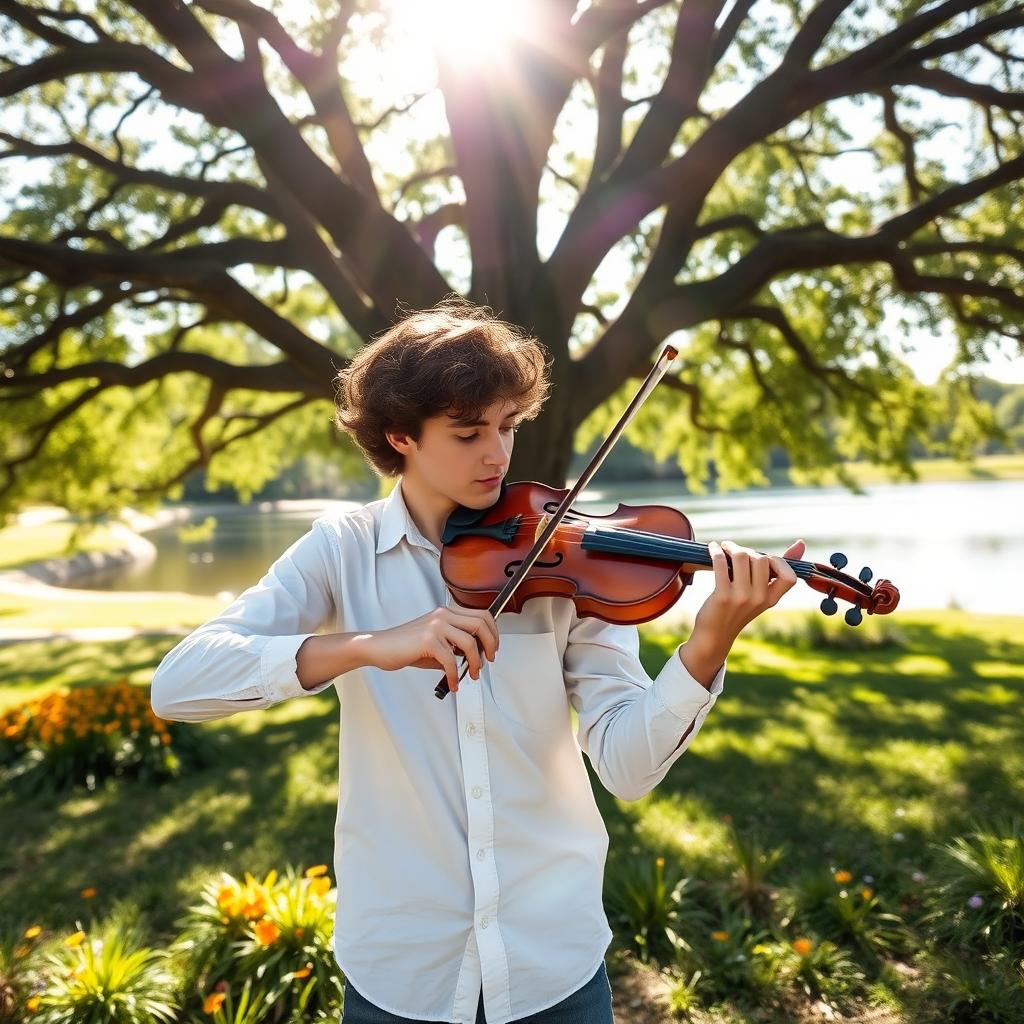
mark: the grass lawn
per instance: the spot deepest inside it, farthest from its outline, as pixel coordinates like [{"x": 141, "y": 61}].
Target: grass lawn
[
  {"x": 81, "y": 609},
  {"x": 852, "y": 759},
  {"x": 22, "y": 544}
]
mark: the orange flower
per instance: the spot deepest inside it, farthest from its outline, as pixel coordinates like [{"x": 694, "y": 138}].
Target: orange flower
[
  {"x": 842, "y": 876},
  {"x": 75, "y": 940},
  {"x": 31, "y": 933},
  {"x": 225, "y": 894},
  {"x": 211, "y": 1004},
  {"x": 303, "y": 972},
  {"x": 803, "y": 946},
  {"x": 321, "y": 886},
  {"x": 720, "y": 936},
  {"x": 88, "y": 892},
  {"x": 867, "y": 893},
  {"x": 266, "y": 932},
  {"x": 32, "y": 1004},
  {"x": 316, "y": 871},
  {"x": 22, "y": 951}
]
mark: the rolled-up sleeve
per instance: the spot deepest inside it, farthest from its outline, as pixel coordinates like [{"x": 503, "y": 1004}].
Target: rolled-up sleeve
[
  {"x": 633, "y": 728},
  {"x": 244, "y": 659}
]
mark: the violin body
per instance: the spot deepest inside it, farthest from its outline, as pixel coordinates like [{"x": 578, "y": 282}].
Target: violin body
[{"x": 487, "y": 547}]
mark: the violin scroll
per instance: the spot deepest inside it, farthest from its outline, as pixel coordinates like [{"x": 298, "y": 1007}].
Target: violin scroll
[{"x": 880, "y": 599}]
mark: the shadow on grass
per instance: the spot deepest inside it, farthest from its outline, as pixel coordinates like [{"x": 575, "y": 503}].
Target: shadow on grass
[
  {"x": 820, "y": 756},
  {"x": 271, "y": 796}
]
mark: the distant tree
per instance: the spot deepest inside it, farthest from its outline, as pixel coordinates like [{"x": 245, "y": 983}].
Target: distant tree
[{"x": 226, "y": 199}]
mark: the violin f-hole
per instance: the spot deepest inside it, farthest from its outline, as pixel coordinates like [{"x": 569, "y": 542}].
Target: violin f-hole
[{"x": 510, "y": 569}]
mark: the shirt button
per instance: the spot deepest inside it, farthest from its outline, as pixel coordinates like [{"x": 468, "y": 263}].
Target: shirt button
[
  {"x": 471, "y": 729},
  {"x": 477, "y": 791},
  {"x": 484, "y": 921},
  {"x": 480, "y": 854}
]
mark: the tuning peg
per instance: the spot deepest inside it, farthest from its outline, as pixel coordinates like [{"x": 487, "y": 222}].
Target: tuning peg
[
  {"x": 838, "y": 560},
  {"x": 853, "y": 616},
  {"x": 865, "y": 574},
  {"x": 828, "y": 606}
]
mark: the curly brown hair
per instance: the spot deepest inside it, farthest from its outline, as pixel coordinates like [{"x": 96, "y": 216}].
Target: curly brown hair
[{"x": 455, "y": 357}]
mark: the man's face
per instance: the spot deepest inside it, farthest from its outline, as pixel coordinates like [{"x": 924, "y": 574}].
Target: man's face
[{"x": 465, "y": 460}]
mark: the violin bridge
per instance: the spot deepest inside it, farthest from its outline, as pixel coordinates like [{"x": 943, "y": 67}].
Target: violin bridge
[{"x": 541, "y": 527}]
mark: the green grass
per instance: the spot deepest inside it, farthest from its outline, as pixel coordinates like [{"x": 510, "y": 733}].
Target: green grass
[
  {"x": 20, "y": 545},
  {"x": 829, "y": 752},
  {"x": 1008, "y": 466},
  {"x": 60, "y": 610}
]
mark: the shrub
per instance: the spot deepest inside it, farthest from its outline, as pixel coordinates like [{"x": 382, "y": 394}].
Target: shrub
[
  {"x": 106, "y": 978},
  {"x": 975, "y": 896},
  {"x": 828, "y": 904},
  {"x": 644, "y": 897},
  {"x": 276, "y": 932},
  {"x": 748, "y": 885},
  {"x": 79, "y": 736},
  {"x": 978, "y": 990},
  {"x": 18, "y": 956}
]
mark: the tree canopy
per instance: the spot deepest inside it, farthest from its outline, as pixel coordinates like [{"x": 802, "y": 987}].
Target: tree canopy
[{"x": 211, "y": 205}]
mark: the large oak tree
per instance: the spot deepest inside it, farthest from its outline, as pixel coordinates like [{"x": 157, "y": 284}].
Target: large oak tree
[{"x": 211, "y": 205}]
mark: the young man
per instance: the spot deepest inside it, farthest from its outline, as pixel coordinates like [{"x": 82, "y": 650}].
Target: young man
[{"x": 469, "y": 851}]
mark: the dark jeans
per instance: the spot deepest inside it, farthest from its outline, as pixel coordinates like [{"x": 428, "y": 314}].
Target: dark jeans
[{"x": 591, "y": 1004}]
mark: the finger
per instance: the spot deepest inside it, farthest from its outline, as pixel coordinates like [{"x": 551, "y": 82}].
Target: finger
[
  {"x": 784, "y": 580},
  {"x": 466, "y": 643},
  {"x": 480, "y": 622},
  {"x": 720, "y": 564},
  {"x": 760, "y": 569},
  {"x": 740, "y": 556},
  {"x": 446, "y": 658},
  {"x": 795, "y": 550}
]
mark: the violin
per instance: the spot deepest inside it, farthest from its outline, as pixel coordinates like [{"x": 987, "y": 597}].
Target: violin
[{"x": 627, "y": 566}]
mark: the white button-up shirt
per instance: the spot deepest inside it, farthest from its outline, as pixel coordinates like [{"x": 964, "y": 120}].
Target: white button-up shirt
[{"x": 469, "y": 851}]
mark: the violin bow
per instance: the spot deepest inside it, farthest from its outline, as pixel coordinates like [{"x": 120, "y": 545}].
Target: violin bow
[{"x": 505, "y": 594}]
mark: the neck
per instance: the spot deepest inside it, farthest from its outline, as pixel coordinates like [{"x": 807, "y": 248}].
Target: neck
[{"x": 428, "y": 509}]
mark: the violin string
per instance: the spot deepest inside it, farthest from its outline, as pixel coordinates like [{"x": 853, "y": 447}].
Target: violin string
[{"x": 696, "y": 547}]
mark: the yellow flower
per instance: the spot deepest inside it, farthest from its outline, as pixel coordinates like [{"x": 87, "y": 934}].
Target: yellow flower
[
  {"x": 266, "y": 932},
  {"x": 321, "y": 886},
  {"x": 211, "y": 1004},
  {"x": 867, "y": 893},
  {"x": 842, "y": 876},
  {"x": 31, "y": 933},
  {"x": 88, "y": 892},
  {"x": 32, "y": 1004},
  {"x": 660, "y": 862},
  {"x": 316, "y": 871},
  {"x": 75, "y": 940},
  {"x": 225, "y": 894},
  {"x": 720, "y": 936},
  {"x": 22, "y": 951},
  {"x": 803, "y": 946}
]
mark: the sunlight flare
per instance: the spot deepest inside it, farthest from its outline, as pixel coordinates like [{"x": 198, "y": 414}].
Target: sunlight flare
[{"x": 465, "y": 31}]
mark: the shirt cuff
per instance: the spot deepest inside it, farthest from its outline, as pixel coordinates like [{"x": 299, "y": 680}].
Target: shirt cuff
[
  {"x": 681, "y": 694},
  {"x": 278, "y": 669}
]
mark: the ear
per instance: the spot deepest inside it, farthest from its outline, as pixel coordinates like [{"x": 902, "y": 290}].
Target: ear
[{"x": 400, "y": 442}]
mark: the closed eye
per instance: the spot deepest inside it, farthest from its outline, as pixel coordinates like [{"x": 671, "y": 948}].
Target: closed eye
[{"x": 474, "y": 436}]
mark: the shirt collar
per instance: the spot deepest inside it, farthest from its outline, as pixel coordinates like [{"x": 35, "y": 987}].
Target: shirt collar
[{"x": 396, "y": 523}]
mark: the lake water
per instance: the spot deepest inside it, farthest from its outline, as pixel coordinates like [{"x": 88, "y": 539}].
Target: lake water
[{"x": 940, "y": 543}]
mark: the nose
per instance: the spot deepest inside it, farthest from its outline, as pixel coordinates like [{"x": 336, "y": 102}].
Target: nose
[{"x": 497, "y": 457}]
